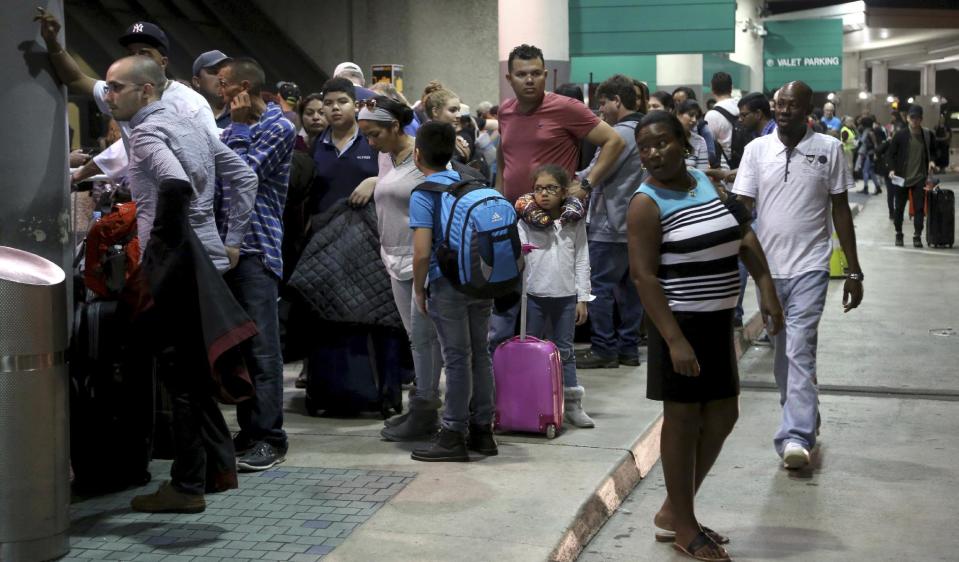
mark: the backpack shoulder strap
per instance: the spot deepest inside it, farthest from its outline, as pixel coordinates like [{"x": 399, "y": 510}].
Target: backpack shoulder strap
[
  {"x": 729, "y": 116},
  {"x": 433, "y": 187}
]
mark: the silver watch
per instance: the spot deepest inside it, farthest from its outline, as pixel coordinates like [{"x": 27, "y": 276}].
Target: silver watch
[{"x": 856, "y": 276}]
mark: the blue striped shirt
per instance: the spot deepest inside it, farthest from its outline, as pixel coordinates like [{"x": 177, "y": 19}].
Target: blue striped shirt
[{"x": 267, "y": 147}]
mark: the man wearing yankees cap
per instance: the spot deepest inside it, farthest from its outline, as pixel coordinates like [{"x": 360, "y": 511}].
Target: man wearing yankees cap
[{"x": 141, "y": 38}]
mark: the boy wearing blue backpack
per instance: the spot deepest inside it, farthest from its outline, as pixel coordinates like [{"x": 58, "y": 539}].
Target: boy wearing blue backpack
[{"x": 466, "y": 249}]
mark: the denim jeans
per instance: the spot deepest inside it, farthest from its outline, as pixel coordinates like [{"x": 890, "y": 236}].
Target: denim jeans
[
  {"x": 462, "y": 324},
  {"x": 743, "y": 279},
  {"x": 502, "y": 326},
  {"x": 918, "y": 206},
  {"x": 558, "y": 313},
  {"x": 612, "y": 286},
  {"x": 427, "y": 356},
  {"x": 256, "y": 289},
  {"x": 803, "y": 298},
  {"x": 868, "y": 171}
]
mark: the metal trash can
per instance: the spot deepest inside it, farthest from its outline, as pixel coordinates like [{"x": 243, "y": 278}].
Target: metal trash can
[{"x": 34, "y": 442}]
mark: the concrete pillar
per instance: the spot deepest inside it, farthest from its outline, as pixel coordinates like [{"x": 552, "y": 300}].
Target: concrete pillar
[
  {"x": 853, "y": 72},
  {"x": 927, "y": 80},
  {"x": 749, "y": 46},
  {"x": 35, "y": 215},
  {"x": 880, "y": 77},
  {"x": 679, "y": 70},
  {"x": 542, "y": 23}
]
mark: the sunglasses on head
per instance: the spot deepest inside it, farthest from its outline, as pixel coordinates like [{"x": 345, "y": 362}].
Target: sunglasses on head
[{"x": 368, "y": 104}]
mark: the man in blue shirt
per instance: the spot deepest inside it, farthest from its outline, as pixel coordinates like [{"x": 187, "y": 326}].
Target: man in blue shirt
[
  {"x": 462, "y": 322},
  {"x": 342, "y": 155},
  {"x": 263, "y": 138},
  {"x": 829, "y": 118}
]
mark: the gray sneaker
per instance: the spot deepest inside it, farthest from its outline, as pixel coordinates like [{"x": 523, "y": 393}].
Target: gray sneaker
[{"x": 261, "y": 457}]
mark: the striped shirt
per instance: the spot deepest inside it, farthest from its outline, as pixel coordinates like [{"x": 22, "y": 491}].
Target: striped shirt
[
  {"x": 698, "y": 267},
  {"x": 267, "y": 147},
  {"x": 699, "y": 157}
]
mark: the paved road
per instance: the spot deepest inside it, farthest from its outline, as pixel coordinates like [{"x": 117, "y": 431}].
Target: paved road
[{"x": 885, "y": 482}]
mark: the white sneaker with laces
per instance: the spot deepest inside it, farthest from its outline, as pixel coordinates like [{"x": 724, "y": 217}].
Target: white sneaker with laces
[{"x": 795, "y": 456}]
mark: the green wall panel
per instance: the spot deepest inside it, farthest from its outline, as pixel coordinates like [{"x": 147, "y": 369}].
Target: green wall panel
[
  {"x": 807, "y": 50},
  {"x": 622, "y": 27},
  {"x": 641, "y": 67},
  {"x": 713, "y": 63}
]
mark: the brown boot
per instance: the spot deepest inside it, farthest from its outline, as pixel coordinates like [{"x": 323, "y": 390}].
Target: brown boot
[{"x": 168, "y": 499}]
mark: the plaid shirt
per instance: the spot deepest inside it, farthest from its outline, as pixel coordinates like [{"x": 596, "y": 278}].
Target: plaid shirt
[{"x": 267, "y": 147}]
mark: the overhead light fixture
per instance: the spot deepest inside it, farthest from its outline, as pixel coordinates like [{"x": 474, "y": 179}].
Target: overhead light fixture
[
  {"x": 942, "y": 100},
  {"x": 935, "y": 99},
  {"x": 911, "y": 100},
  {"x": 863, "y": 95},
  {"x": 831, "y": 96},
  {"x": 884, "y": 33},
  {"x": 890, "y": 99}
]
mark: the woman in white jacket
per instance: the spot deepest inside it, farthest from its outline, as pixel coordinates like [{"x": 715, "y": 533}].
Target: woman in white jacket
[{"x": 558, "y": 270}]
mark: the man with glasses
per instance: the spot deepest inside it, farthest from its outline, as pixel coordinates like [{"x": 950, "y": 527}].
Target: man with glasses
[
  {"x": 166, "y": 145},
  {"x": 263, "y": 138},
  {"x": 798, "y": 180},
  {"x": 755, "y": 115},
  {"x": 143, "y": 39}
]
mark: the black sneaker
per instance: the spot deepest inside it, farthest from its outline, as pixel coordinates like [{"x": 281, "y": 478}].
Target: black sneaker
[
  {"x": 899, "y": 239},
  {"x": 592, "y": 361},
  {"x": 917, "y": 241},
  {"x": 242, "y": 444},
  {"x": 447, "y": 446},
  {"x": 262, "y": 457},
  {"x": 481, "y": 440},
  {"x": 629, "y": 360}
]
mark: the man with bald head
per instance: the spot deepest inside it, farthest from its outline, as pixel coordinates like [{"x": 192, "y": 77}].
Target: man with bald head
[
  {"x": 798, "y": 180},
  {"x": 167, "y": 145}
]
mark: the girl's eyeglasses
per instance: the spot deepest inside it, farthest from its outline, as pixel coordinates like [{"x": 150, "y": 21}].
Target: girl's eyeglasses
[{"x": 547, "y": 189}]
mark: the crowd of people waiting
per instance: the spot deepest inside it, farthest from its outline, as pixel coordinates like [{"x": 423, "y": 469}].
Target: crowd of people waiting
[{"x": 655, "y": 207}]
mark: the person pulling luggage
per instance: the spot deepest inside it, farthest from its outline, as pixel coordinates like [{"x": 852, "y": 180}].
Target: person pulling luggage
[{"x": 559, "y": 282}]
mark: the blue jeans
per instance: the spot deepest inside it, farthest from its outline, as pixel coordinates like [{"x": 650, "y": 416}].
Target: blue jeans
[
  {"x": 502, "y": 326},
  {"x": 803, "y": 299},
  {"x": 867, "y": 173},
  {"x": 559, "y": 313},
  {"x": 609, "y": 262},
  {"x": 427, "y": 356},
  {"x": 462, "y": 324},
  {"x": 256, "y": 289}
]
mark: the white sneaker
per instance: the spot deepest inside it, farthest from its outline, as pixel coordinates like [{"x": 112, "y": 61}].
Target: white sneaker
[{"x": 795, "y": 456}]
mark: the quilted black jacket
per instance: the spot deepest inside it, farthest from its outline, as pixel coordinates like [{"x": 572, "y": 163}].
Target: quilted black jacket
[{"x": 341, "y": 274}]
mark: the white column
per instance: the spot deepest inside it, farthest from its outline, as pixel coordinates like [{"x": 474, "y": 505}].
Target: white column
[
  {"x": 927, "y": 80},
  {"x": 749, "y": 46},
  {"x": 679, "y": 70},
  {"x": 880, "y": 77},
  {"x": 853, "y": 72},
  {"x": 542, "y": 23}
]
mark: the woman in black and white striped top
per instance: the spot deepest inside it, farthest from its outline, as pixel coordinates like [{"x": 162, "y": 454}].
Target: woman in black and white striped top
[{"x": 683, "y": 245}]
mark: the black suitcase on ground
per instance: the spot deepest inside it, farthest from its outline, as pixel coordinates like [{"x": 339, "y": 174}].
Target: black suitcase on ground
[
  {"x": 112, "y": 401},
  {"x": 356, "y": 369},
  {"x": 940, "y": 218}
]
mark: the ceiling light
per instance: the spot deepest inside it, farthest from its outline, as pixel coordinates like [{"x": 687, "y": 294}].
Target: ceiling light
[
  {"x": 935, "y": 99},
  {"x": 890, "y": 99},
  {"x": 884, "y": 34},
  {"x": 863, "y": 95},
  {"x": 911, "y": 100},
  {"x": 831, "y": 96}
]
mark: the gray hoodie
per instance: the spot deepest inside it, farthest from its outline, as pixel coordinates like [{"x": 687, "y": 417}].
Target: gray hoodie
[{"x": 606, "y": 221}]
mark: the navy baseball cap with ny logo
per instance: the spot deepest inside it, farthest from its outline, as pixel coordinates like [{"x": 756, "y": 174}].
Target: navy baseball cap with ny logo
[{"x": 146, "y": 32}]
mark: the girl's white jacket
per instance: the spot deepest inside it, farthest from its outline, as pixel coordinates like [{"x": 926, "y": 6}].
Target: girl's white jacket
[{"x": 560, "y": 267}]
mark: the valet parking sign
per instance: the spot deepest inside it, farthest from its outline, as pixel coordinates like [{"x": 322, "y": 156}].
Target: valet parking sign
[{"x": 807, "y": 50}]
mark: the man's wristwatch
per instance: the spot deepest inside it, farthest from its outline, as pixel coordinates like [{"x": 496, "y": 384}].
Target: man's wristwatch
[
  {"x": 856, "y": 276},
  {"x": 584, "y": 183}
]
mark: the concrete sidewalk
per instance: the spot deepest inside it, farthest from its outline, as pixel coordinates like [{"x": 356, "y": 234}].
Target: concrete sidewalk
[{"x": 883, "y": 485}]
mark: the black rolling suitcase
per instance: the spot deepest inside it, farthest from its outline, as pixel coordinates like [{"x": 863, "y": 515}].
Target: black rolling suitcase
[
  {"x": 112, "y": 401},
  {"x": 356, "y": 369},
  {"x": 940, "y": 217}
]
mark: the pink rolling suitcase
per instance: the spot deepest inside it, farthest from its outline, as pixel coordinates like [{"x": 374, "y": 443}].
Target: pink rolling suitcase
[{"x": 529, "y": 383}]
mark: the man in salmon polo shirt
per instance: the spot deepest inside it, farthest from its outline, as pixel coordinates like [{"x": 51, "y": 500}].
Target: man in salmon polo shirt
[{"x": 540, "y": 127}]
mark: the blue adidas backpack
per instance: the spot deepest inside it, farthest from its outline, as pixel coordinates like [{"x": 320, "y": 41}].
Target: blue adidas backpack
[{"x": 480, "y": 252}]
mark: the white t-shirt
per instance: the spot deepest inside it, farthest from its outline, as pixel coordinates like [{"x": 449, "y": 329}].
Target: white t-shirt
[
  {"x": 114, "y": 160},
  {"x": 719, "y": 126},
  {"x": 794, "y": 212}
]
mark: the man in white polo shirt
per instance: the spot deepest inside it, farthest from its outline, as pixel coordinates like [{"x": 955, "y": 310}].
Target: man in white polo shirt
[{"x": 797, "y": 179}]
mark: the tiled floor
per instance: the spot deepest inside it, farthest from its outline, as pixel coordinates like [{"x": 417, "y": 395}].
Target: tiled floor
[{"x": 288, "y": 513}]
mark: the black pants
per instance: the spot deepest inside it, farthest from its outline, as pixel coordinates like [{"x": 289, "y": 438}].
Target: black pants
[
  {"x": 918, "y": 206},
  {"x": 204, "y": 460}
]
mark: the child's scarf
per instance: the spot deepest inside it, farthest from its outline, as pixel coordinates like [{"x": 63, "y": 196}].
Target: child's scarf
[{"x": 530, "y": 212}]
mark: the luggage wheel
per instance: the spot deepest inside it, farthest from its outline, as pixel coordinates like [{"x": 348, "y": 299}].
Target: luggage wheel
[{"x": 551, "y": 431}]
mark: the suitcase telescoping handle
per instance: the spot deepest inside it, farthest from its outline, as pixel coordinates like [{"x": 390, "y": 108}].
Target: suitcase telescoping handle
[{"x": 527, "y": 248}]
